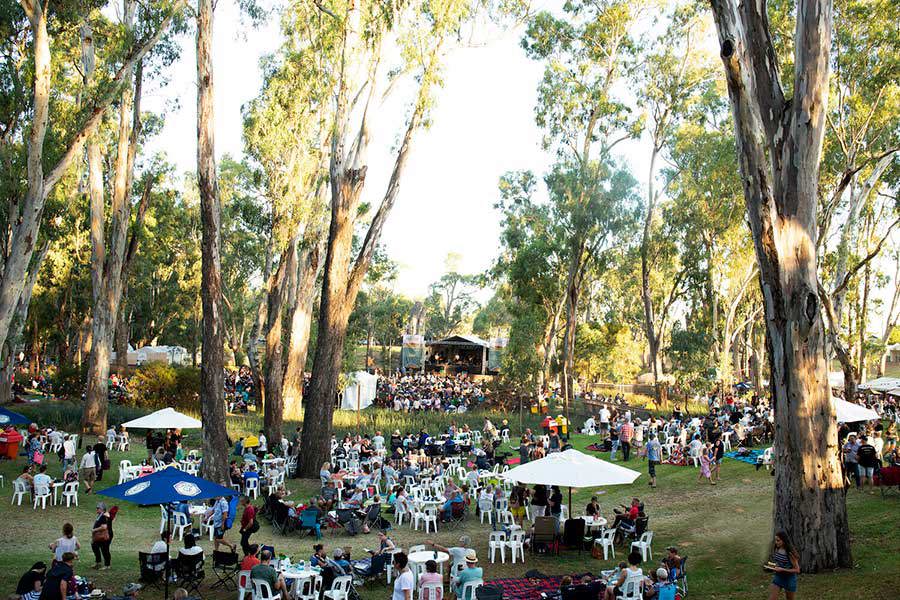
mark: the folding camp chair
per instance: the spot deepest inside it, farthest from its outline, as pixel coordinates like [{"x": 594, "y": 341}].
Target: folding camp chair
[
  {"x": 545, "y": 534},
  {"x": 573, "y": 534},
  {"x": 153, "y": 568},
  {"x": 457, "y": 514},
  {"x": 226, "y": 567},
  {"x": 309, "y": 522},
  {"x": 189, "y": 571}
]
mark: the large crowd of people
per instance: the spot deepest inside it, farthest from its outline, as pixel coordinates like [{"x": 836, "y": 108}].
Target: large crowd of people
[{"x": 429, "y": 391}]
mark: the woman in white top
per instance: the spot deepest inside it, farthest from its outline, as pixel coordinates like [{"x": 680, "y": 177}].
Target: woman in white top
[
  {"x": 403, "y": 585},
  {"x": 67, "y": 543}
]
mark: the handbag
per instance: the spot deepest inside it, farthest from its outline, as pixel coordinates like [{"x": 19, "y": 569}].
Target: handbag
[
  {"x": 106, "y": 464},
  {"x": 38, "y": 458},
  {"x": 99, "y": 537}
]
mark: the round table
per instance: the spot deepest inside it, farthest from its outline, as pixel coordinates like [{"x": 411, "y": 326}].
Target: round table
[
  {"x": 594, "y": 523},
  {"x": 422, "y": 557},
  {"x": 293, "y": 577}
]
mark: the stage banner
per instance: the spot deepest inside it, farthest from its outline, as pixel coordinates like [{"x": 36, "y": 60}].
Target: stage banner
[
  {"x": 412, "y": 355},
  {"x": 495, "y": 353}
]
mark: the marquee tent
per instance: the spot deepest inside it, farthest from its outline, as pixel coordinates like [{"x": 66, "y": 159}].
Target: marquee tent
[
  {"x": 360, "y": 392},
  {"x": 167, "y": 418},
  {"x": 850, "y": 412}
]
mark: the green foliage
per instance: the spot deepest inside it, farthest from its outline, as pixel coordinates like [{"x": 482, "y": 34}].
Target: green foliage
[
  {"x": 158, "y": 385},
  {"x": 689, "y": 351},
  {"x": 607, "y": 351},
  {"x": 69, "y": 381}
]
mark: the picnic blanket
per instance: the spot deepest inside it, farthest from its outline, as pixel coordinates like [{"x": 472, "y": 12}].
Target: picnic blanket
[
  {"x": 531, "y": 588},
  {"x": 596, "y": 448},
  {"x": 750, "y": 458}
]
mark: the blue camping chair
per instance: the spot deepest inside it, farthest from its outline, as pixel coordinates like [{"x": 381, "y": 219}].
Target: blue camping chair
[{"x": 309, "y": 521}]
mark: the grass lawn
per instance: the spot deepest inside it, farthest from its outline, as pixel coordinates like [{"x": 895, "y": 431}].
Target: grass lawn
[{"x": 724, "y": 530}]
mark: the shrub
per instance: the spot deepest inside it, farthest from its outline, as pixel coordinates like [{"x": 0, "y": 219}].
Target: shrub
[
  {"x": 69, "y": 381},
  {"x": 158, "y": 385}
]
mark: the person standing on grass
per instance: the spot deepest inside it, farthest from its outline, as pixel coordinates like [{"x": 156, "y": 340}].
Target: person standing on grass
[
  {"x": 654, "y": 457},
  {"x": 786, "y": 561},
  {"x": 89, "y": 469},
  {"x": 404, "y": 584},
  {"x": 101, "y": 538},
  {"x": 220, "y": 520},
  {"x": 704, "y": 464},
  {"x": 867, "y": 458},
  {"x": 718, "y": 454},
  {"x": 249, "y": 524},
  {"x": 626, "y": 433}
]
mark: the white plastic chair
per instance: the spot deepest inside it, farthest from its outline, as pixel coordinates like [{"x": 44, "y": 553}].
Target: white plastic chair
[
  {"x": 516, "y": 544},
  {"x": 726, "y": 441},
  {"x": 251, "y": 487},
  {"x": 606, "y": 541},
  {"x": 309, "y": 588},
  {"x": 70, "y": 493},
  {"x": 124, "y": 471},
  {"x": 467, "y": 592},
  {"x": 110, "y": 440},
  {"x": 486, "y": 507},
  {"x": 340, "y": 588},
  {"x": 643, "y": 545},
  {"x": 42, "y": 494},
  {"x": 564, "y": 512},
  {"x": 244, "y": 585},
  {"x": 431, "y": 518},
  {"x": 262, "y": 590},
  {"x": 497, "y": 541},
  {"x": 431, "y": 591},
  {"x": 632, "y": 587},
  {"x": 400, "y": 511},
  {"x": 694, "y": 456},
  {"x": 20, "y": 488}
]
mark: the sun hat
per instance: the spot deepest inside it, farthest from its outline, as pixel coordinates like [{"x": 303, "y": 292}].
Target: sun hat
[{"x": 471, "y": 556}]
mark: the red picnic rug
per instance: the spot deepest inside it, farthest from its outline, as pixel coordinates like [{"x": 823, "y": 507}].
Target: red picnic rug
[{"x": 531, "y": 588}]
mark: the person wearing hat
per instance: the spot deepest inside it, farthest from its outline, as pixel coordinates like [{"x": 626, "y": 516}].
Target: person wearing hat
[{"x": 472, "y": 572}]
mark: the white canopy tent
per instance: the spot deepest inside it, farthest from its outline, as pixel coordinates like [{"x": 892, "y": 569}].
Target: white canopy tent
[
  {"x": 360, "y": 391},
  {"x": 882, "y": 384},
  {"x": 572, "y": 469},
  {"x": 167, "y": 418},
  {"x": 849, "y": 412}
]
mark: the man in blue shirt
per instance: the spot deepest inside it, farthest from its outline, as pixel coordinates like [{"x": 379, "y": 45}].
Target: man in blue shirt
[
  {"x": 472, "y": 572},
  {"x": 654, "y": 457},
  {"x": 220, "y": 518}
]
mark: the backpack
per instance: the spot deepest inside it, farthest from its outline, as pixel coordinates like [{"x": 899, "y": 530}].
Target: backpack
[{"x": 489, "y": 591}]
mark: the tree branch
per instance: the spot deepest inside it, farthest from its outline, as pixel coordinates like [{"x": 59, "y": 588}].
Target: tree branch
[{"x": 851, "y": 272}]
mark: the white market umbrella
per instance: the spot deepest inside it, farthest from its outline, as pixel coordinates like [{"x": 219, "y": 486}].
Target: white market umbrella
[
  {"x": 572, "y": 469},
  {"x": 167, "y": 418},
  {"x": 850, "y": 412},
  {"x": 882, "y": 384}
]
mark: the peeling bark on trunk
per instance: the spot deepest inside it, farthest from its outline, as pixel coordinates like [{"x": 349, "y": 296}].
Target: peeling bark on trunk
[
  {"x": 342, "y": 278},
  {"x": 15, "y": 343},
  {"x": 40, "y": 184},
  {"x": 107, "y": 263},
  {"x": 212, "y": 375},
  {"x": 301, "y": 323},
  {"x": 779, "y": 144}
]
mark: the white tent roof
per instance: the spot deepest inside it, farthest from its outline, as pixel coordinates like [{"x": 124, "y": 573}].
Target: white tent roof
[
  {"x": 167, "y": 418},
  {"x": 894, "y": 392},
  {"x": 572, "y": 468},
  {"x": 362, "y": 389},
  {"x": 882, "y": 384},
  {"x": 850, "y": 412}
]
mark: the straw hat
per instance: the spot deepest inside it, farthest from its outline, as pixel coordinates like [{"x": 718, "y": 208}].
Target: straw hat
[{"x": 471, "y": 556}]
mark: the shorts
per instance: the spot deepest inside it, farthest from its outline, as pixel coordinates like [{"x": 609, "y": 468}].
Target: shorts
[
  {"x": 786, "y": 581},
  {"x": 218, "y": 533},
  {"x": 88, "y": 475},
  {"x": 518, "y": 511},
  {"x": 866, "y": 471},
  {"x": 651, "y": 467}
]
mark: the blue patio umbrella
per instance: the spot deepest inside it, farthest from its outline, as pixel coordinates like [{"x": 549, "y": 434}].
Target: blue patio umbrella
[
  {"x": 8, "y": 417},
  {"x": 167, "y": 486}
]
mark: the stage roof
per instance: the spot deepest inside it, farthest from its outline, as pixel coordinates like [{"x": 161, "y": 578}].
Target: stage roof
[{"x": 459, "y": 340}]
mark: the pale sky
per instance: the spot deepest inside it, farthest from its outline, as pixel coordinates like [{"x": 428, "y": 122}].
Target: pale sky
[{"x": 483, "y": 126}]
